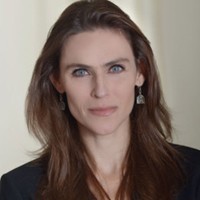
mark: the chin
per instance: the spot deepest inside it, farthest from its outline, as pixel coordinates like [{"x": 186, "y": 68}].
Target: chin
[{"x": 104, "y": 130}]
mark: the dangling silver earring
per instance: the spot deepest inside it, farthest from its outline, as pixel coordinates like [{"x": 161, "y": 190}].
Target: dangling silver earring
[
  {"x": 140, "y": 98},
  {"x": 61, "y": 103}
]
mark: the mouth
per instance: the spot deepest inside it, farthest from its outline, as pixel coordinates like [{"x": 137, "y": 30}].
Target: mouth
[{"x": 103, "y": 111}]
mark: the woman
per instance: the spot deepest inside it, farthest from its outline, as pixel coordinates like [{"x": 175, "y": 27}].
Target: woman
[{"x": 95, "y": 104}]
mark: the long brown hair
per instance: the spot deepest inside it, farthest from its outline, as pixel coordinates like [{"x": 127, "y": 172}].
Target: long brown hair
[{"x": 152, "y": 169}]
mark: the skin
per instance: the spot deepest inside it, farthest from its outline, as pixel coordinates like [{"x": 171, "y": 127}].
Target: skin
[{"x": 99, "y": 75}]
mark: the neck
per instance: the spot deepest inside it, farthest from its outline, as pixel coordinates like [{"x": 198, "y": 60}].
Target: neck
[{"x": 108, "y": 152}]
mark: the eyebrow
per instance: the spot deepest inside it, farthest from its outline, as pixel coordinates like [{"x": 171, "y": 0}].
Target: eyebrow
[
  {"x": 119, "y": 60},
  {"x": 110, "y": 63}
]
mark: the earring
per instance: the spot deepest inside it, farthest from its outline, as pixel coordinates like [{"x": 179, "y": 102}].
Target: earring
[
  {"x": 61, "y": 103},
  {"x": 140, "y": 98}
]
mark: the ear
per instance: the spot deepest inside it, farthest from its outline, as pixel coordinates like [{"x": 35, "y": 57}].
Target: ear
[
  {"x": 141, "y": 72},
  {"x": 57, "y": 83},
  {"x": 139, "y": 79}
]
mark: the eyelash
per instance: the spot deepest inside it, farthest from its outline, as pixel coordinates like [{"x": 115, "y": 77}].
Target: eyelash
[
  {"x": 81, "y": 72},
  {"x": 119, "y": 67}
]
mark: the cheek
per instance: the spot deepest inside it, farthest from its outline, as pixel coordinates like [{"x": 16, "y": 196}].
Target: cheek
[
  {"x": 76, "y": 100},
  {"x": 74, "y": 106},
  {"x": 130, "y": 96},
  {"x": 73, "y": 98},
  {"x": 127, "y": 94},
  {"x": 129, "y": 103},
  {"x": 127, "y": 87}
]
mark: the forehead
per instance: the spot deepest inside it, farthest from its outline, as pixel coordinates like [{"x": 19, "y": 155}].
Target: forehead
[{"x": 96, "y": 45}]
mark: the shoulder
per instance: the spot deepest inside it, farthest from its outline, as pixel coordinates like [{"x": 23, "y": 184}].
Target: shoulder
[
  {"x": 188, "y": 152},
  {"x": 190, "y": 158},
  {"x": 21, "y": 183},
  {"x": 191, "y": 165}
]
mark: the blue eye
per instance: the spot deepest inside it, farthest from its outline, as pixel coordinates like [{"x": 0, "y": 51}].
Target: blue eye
[
  {"x": 116, "y": 69},
  {"x": 80, "y": 72}
]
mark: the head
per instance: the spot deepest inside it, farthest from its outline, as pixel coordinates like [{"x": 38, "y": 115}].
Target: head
[
  {"x": 57, "y": 129},
  {"x": 80, "y": 17}
]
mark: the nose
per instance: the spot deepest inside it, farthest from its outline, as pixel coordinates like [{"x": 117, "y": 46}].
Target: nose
[{"x": 100, "y": 87}]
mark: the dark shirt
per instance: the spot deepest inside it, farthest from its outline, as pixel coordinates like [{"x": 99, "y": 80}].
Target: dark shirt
[{"x": 22, "y": 182}]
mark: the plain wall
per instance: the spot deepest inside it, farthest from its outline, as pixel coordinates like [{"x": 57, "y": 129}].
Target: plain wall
[
  {"x": 180, "y": 30},
  {"x": 172, "y": 27}
]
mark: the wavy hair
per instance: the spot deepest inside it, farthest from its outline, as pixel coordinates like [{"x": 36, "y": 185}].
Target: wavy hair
[{"x": 152, "y": 169}]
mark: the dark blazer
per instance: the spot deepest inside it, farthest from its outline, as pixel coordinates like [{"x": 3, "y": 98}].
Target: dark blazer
[{"x": 22, "y": 182}]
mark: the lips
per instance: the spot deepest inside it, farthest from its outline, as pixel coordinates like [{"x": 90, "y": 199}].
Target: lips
[{"x": 103, "y": 111}]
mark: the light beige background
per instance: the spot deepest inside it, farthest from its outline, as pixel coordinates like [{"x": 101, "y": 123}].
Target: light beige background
[{"x": 172, "y": 27}]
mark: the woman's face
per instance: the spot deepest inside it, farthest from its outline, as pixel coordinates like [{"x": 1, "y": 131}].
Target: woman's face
[{"x": 98, "y": 74}]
